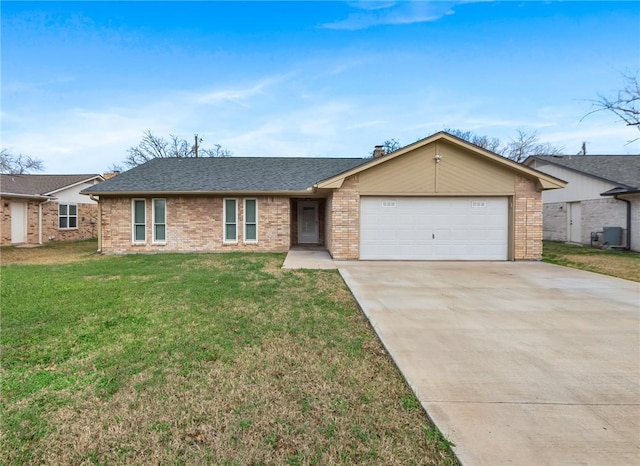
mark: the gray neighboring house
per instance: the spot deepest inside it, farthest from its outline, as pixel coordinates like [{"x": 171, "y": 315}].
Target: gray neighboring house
[{"x": 602, "y": 199}]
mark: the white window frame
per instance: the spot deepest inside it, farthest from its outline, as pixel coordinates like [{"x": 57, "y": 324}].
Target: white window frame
[
  {"x": 245, "y": 223},
  {"x": 225, "y": 223},
  {"x": 133, "y": 221},
  {"x": 67, "y": 216},
  {"x": 153, "y": 218}
]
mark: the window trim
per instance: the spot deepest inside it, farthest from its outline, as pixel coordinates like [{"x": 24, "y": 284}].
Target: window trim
[
  {"x": 225, "y": 223},
  {"x": 68, "y": 216},
  {"x": 133, "y": 221},
  {"x": 245, "y": 222},
  {"x": 153, "y": 219}
]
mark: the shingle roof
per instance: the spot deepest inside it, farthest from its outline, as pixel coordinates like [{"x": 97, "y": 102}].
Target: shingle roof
[
  {"x": 37, "y": 185},
  {"x": 622, "y": 170},
  {"x": 230, "y": 174}
]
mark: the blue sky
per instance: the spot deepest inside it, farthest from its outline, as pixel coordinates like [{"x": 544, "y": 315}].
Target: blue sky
[{"x": 82, "y": 81}]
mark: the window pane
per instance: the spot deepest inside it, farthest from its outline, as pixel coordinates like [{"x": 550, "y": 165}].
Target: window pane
[
  {"x": 63, "y": 222},
  {"x": 73, "y": 222},
  {"x": 63, "y": 209},
  {"x": 139, "y": 212},
  {"x": 250, "y": 214},
  {"x": 251, "y": 232},
  {"x": 159, "y": 205},
  {"x": 231, "y": 232},
  {"x": 139, "y": 232},
  {"x": 73, "y": 209},
  {"x": 160, "y": 232},
  {"x": 230, "y": 211}
]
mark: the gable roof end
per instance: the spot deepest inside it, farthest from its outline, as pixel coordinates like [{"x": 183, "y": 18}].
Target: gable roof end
[
  {"x": 620, "y": 170},
  {"x": 546, "y": 181}
]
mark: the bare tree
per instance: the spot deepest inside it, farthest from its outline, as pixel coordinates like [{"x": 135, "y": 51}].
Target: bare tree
[
  {"x": 517, "y": 149},
  {"x": 19, "y": 164},
  {"x": 526, "y": 144},
  {"x": 153, "y": 147},
  {"x": 486, "y": 142},
  {"x": 626, "y": 103}
]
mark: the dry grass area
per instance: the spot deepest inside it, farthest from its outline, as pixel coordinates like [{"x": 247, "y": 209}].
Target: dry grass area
[
  {"x": 621, "y": 264},
  {"x": 198, "y": 359},
  {"x": 63, "y": 252}
]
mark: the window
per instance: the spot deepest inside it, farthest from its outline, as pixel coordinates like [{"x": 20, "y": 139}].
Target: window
[
  {"x": 139, "y": 221},
  {"x": 250, "y": 221},
  {"x": 67, "y": 216},
  {"x": 230, "y": 220},
  {"x": 159, "y": 220}
]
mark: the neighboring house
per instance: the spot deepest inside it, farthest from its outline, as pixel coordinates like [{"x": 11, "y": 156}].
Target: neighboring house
[
  {"x": 602, "y": 196},
  {"x": 41, "y": 208},
  {"x": 440, "y": 198}
]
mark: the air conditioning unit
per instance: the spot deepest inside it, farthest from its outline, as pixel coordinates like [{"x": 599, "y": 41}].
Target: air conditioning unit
[{"x": 612, "y": 236}]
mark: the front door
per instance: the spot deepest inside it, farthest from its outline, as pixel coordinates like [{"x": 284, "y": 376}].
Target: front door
[
  {"x": 308, "y": 222},
  {"x": 18, "y": 222},
  {"x": 575, "y": 222}
]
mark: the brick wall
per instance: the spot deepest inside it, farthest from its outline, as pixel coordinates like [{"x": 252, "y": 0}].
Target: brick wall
[
  {"x": 50, "y": 231},
  {"x": 554, "y": 221},
  {"x": 599, "y": 213},
  {"x": 345, "y": 221},
  {"x": 5, "y": 222},
  {"x": 196, "y": 224},
  {"x": 527, "y": 232},
  {"x": 86, "y": 228}
]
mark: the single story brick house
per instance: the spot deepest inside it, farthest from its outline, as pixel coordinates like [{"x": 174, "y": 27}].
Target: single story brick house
[
  {"x": 440, "y": 198},
  {"x": 41, "y": 208},
  {"x": 602, "y": 196}
]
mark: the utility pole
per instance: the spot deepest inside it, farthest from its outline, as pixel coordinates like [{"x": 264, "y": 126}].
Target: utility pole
[
  {"x": 583, "y": 149},
  {"x": 195, "y": 147}
]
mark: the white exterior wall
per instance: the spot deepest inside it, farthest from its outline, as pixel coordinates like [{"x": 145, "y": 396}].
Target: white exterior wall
[
  {"x": 579, "y": 187},
  {"x": 597, "y": 211},
  {"x": 72, "y": 194}
]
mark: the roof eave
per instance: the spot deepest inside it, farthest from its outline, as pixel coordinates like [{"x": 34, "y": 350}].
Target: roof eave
[
  {"x": 580, "y": 172},
  {"x": 305, "y": 192},
  {"x": 620, "y": 190},
  {"x": 39, "y": 197}
]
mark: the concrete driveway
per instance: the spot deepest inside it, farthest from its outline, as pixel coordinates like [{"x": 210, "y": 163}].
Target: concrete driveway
[{"x": 517, "y": 363}]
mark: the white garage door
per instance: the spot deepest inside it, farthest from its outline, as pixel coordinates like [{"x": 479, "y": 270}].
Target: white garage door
[{"x": 418, "y": 228}]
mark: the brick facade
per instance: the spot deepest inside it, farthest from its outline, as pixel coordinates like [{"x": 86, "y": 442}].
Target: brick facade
[
  {"x": 555, "y": 221},
  {"x": 195, "y": 224},
  {"x": 344, "y": 221},
  {"x": 87, "y": 222},
  {"x": 527, "y": 228},
  {"x": 595, "y": 214}
]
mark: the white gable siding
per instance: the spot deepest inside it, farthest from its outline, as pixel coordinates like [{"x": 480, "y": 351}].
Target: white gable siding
[
  {"x": 72, "y": 195},
  {"x": 579, "y": 187}
]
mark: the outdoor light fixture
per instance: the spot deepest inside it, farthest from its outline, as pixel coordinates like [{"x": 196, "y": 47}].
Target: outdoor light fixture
[{"x": 437, "y": 158}]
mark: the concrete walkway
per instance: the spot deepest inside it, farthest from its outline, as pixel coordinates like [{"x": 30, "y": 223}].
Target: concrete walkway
[
  {"x": 516, "y": 363},
  {"x": 308, "y": 257}
]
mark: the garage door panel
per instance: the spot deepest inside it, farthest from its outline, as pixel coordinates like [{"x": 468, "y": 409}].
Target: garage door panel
[{"x": 434, "y": 228}]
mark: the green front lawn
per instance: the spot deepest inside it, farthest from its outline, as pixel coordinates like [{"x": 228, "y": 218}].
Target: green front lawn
[
  {"x": 621, "y": 264},
  {"x": 190, "y": 359}
]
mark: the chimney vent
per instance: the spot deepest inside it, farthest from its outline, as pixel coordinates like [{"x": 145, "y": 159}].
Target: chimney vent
[{"x": 378, "y": 151}]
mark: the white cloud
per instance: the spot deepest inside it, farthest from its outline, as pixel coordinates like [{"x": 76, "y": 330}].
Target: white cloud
[{"x": 392, "y": 13}]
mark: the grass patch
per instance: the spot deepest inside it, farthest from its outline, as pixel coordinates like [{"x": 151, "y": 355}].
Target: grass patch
[
  {"x": 189, "y": 359},
  {"x": 55, "y": 252},
  {"x": 621, "y": 264}
]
